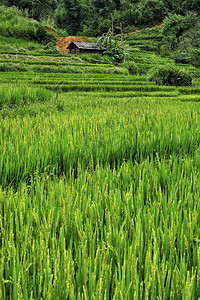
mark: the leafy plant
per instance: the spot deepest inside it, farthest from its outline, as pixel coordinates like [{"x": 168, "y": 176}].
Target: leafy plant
[{"x": 117, "y": 50}]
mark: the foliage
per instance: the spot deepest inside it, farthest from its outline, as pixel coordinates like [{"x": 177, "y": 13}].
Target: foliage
[
  {"x": 44, "y": 37},
  {"x": 149, "y": 12},
  {"x": 195, "y": 57},
  {"x": 176, "y": 25},
  {"x": 12, "y": 23},
  {"x": 94, "y": 17},
  {"x": 36, "y": 9},
  {"x": 103, "y": 7},
  {"x": 170, "y": 75},
  {"x": 181, "y": 35},
  {"x": 131, "y": 66},
  {"x": 69, "y": 14},
  {"x": 117, "y": 50}
]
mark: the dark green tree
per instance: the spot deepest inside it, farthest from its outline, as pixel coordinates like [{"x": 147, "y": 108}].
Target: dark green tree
[
  {"x": 150, "y": 12},
  {"x": 72, "y": 16},
  {"x": 176, "y": 24},
  {"x": 103, "y": 7}
]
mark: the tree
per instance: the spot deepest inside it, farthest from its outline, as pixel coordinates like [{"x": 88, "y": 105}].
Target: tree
[
  {"x": 150, "y": 12},
  {"x": 103, "y": 7},
  {"x": 117, "y": 4},
  {"x": 181, "y": 36},
  {"x": 36, "y": 8},
  {"x": 68, "y": 15},
  {"x": 193, "y": 5},
  {"x": 176, "y": 24},
  {"x": 172, "y": 25},
  {"x": 73, "y": 12}
]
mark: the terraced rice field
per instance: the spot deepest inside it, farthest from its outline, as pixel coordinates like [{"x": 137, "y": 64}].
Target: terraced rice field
[{"x": 99, "y": 184}]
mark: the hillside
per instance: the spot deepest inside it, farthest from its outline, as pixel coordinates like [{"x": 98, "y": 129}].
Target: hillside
[
  {"x": 92, "y": 18},
  {"x": 99, "y": 169}
]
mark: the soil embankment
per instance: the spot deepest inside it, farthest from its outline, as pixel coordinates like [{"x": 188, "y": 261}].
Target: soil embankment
[{"x": 63, "y": 42}]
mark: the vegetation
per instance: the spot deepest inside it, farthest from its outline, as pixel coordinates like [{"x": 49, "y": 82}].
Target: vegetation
[
  {"x": 181, "y": 37},
  {"x": 116, "y": 50},
  {"x": 170, "y": 75},
  {"x": 99, "y": 170},
  {"x": 88, "y": 200},
  {"x": 13, "y": 23},
  {"x": 94, "y": 17}
]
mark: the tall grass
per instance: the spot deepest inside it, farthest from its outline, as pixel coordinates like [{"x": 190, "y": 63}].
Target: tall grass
[{"x": 12, "y": 23}]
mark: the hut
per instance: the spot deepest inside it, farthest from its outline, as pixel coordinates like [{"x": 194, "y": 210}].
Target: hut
[{"x": 85, "y": 47}]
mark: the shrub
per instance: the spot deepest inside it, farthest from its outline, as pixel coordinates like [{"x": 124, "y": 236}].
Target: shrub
[
  {"x": 44, "y": 37},
  {"x": 51, "y": 48},
  {"x": 131, "y": 66},
  {"x": 170, "y": 75},
  {"x": 194, "y": 57}
]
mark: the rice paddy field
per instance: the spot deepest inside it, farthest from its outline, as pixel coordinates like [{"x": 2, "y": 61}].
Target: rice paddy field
[{"x": 99, "y": 181}]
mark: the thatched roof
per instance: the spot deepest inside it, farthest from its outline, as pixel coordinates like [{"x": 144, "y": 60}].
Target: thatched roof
[{"x": 86, "y": 46}]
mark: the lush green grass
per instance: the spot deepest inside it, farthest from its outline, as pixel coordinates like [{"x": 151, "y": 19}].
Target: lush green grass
[
  {"x": 99, "y": 180},
  {"x": 13, "y": 23},
  {"x": 12, "y": 44}
]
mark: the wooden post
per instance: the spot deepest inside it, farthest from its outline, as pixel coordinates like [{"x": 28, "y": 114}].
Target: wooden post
[
  {"x": 122, "y": 34},
  {"x": 112, "y": 27}
]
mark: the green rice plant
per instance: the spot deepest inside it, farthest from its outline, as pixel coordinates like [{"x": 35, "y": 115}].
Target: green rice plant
[
  {"x": 125, "y": 141},
  {"x": 106, "y": 87},
  {"x": 189, "y": 90},
  {"x": 21, "y": 95},
  {"x": 12, "y": 67},
  {"x": 108, "y": 232}
]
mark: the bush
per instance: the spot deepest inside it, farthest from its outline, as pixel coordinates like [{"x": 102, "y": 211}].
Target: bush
[
  {"x": 195, "y": 57},
  {"x": 51, "y": 48},
  {"x": 170, "y": 75},
  {"x": 131, "y": 66},
  {"x": 44, "y": 37}
]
